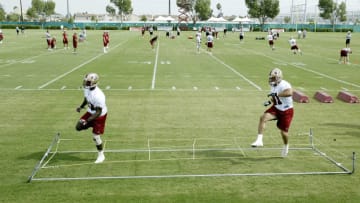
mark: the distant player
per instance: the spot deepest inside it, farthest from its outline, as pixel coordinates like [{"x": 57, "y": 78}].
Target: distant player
[
  {"x": 53, "y": 43},
  {"x": 280, "y": 110},
  {"x": 345, "y": 55},
  {"x": 241, "y": 35},
  {"x": 198, "y": 41},
  {"x": 348, "y": 38},
  {"x": 48, "y": 39},
  {"x": 1, "y": 37},
  {"x": 270, "y": 38},
  {"x": 75, "y": 42},
  {"x": 106, "y": 41},
  {"x": 153, "y": 41},
  {"x": 142, "y": 31},
  {"x": 96, "y": 113},
  {"x": 65, "y": 40},
  {"x": 293, "y": 46},
  {"x": 151, "y": 31},
  {"x": 210, "y": 42}
]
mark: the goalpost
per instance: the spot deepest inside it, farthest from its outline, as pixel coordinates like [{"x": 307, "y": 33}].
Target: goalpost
[{"x": 195, "y": 151}]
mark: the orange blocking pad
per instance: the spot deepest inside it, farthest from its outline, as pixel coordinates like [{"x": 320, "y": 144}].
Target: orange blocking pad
[
  {"x": 347, "y": 97},
  {"x": 300, "y": 97},
  {"x": 323, "y": 97}
]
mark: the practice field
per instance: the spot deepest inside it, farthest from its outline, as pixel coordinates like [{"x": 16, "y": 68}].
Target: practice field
[{"x": 180, "y": 123}]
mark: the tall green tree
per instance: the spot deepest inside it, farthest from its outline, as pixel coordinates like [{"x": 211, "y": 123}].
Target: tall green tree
[
  {"x": 330, "y": 10},
  {"x": 203, "y": 10},
  {"x": 124, "y": 7},
  {"x": 40, "y": 7},
  {"x": 263, "y": 9},
  {"x": 2, "y": 13},
  {"x": 187, "y": 9}
]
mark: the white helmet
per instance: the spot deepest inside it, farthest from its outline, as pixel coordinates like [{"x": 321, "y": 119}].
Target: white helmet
[
  {"x": 275, "y": 76},
  {"x": 90, "y": 80}
]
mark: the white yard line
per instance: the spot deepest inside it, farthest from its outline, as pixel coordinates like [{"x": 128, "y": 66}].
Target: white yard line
[
  {"x": 155, "y": 67},
  {"x": 236, "y": 72},
  {"x": 308, "y": 70},
  {"x": 76, "y": 68}
]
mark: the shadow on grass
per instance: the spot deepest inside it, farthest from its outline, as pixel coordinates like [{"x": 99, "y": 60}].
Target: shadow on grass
[{"x": 64, "y": 157}]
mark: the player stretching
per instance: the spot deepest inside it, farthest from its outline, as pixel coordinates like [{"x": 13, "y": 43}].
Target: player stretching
[
  {"x": 95, "y": 116},
  {"x": 293, "y": 46},
  {"x": 152, "y": 41},
  {"x": 281, "y": 109},
  {"x": 344, "y": 55},
  {"x": 106, "y": 41}
]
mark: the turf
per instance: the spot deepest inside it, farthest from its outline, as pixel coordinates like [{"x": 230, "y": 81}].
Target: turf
[{"x": 174, "y": 100}]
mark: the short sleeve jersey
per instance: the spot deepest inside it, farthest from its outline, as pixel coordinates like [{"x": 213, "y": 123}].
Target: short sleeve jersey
[
  {"x": 282, "y": 103},
  {"x": 95, "y": 98}
]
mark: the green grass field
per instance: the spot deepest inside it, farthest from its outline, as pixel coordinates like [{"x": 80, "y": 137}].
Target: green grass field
[{"x": 197, "y": 113}]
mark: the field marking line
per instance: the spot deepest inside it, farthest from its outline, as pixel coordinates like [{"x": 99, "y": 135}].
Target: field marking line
[
  {"x": 26, "y": 59},
  {"x": 77, "y": 67},
  {"x": 236, "y": 72},
  {"x": 307, "y": 69},
  {"x": 155, "y": 66}
]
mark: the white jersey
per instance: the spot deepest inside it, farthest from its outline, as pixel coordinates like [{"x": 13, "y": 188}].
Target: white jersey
[
  {"x": 198, "y": 38},
  {"x": 95, "y": 98},
  {"x": 285, "y": 102},
  {"x": 292, "y": 42},
  {"x": 210, "y": 38},
  {"x": 270, "y": 37}
]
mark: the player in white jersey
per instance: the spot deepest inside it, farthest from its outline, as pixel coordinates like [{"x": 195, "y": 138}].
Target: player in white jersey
[
  {"x": 270, "y": 38},
  {"x": 293, "y": 46},
  {"x": 280, "y": 110},
  {"x": 347, "y": 39},
  {"x": 95, "y": 116},
  {"x": 198, "y": 41},
  {"x": 210, "y": 42}
]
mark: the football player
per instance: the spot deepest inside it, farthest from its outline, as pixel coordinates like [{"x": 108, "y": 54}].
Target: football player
[
  {"x": 106, "y": 41},
  {"x": 210, "y": 42},
  {"x": 271, "y": 41},
  {"x": 347, "y": 39},
  {"x": 198, "y": 41},
  {"x": 96, "y": 113},
  {"x": 344, "y": 55},
  {"x": 75, "y": 42},
  {"x": 1, "y": 37},
  {"x": 280, "y": 110},
  {"x": 293, "y": 46},
  {"x": 152, "y": 41},
  {"x": 65, "y": 40}
]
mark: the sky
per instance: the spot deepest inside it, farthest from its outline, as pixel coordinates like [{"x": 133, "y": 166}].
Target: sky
[{"x": 160, "y": 7}]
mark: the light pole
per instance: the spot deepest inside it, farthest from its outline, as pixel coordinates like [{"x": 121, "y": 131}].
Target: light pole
[{"x": 21, "y": 13}]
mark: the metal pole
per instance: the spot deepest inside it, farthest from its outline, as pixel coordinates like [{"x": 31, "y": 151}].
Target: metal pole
[{"x": 21, "y": 12}]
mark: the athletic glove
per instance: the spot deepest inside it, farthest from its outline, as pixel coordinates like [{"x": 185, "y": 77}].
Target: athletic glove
[{"x": 267, "y": 103}]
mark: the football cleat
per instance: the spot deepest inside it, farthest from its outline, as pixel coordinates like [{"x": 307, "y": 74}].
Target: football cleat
[
  {"x": 257, "y": 143},
  {"x": 100, "y": 158}
]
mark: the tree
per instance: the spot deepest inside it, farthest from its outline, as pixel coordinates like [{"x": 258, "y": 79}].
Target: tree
[
  {"x": 341, "y": 12},
  {"x": 111, "y": 10},
  {"x": 330, "y": 10},
  {"x": 202, "y": 8},
  {"x": 2, "y": 13},
  {"x": 263, "y": 9},
  {"x": 287, "y": 19},
  {"x": 124, "y": 7},
  {"x": 39, "y": 7},
  {"x": 186, "y": 10},
  {"x": 143, "y": 18}
]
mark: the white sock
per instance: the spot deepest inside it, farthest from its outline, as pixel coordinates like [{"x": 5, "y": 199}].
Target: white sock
[{"x": 260, "y": 137}]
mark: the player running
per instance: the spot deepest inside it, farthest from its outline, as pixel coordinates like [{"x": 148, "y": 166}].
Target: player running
[
  {"x": 210, "y": 42},
  {"x": 152, "y": 41},
  {"x": 281, "y": 109},
  {"x": 198, "y": 41},
  {"x": 96, "y": 114},
  {"x": 293, "y": 46}
]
